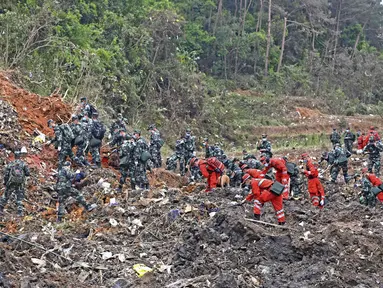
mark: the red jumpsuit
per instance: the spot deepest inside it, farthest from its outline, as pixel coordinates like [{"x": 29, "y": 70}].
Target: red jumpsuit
[
  {"x": 365, "y": 140},
  {"x": 209, "y": 173},
  {"x": 316, "y": 190},
  {"x": 255, "y": 173},
  {"x": 281, "y": 174},
  {"x": 375, "y": 181},
  {"x": 260, "y": 193},
  {"x": 375, "y": 134},
  {"x": 361, "y": 142}
]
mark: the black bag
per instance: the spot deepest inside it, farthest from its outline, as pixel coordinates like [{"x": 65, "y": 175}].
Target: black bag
[
  {"x": 98, "y": 130},
  {"x": 145, "y": 156},
  {"x": 290, "y": 168},
  {"x": 94, "y": 142},
  {"x": 92, "y": 110},
  {"x": 376, "y": 190},
  {"x": 277, "y": 188},
  {"x": 79, "y": 140}
]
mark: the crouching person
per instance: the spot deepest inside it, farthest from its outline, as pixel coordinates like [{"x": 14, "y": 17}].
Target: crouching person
[
  {"x": 211, "y": 169},
  {"x": 315, "y": 187},
  {"x": 65, "y": 189},
  {"x": 263, "y": 191}
]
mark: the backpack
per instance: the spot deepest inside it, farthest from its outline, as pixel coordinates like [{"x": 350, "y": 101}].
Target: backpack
[
  {"x": 216, "y": 164},
  {"x": 98, "y": 130},
  {"x": 92, "y": 110},
  {"x": 290, "y": 168},
  {"x": 16, "y": 175},
  {"x": 67, "y": 132}
]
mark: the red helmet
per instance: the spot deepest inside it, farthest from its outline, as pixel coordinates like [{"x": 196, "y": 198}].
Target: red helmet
[
  {"x": 245, "y": 178},
  {"x": 194, "y": 161},
  {"x": 305, "y": 155},
  {"x": 265, "y": 159},
  {"x": 372, "y": 127},
  {"x": 244, "y": 166}
]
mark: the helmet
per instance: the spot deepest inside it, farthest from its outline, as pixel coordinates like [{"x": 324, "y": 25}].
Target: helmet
[
  {"x": 265, "y": 159},
  {"x": 151, "y": 126},
  {"x": 337, "y": 144},
  {"x": 66, "y": 164},
  {"x": 245, "y": 177},
  {"x": 264, "y": 135},
  {"x": 244, "y": 166},
  {"x": 193, "y": 161},
  {"x": 333, "y": 129},
  {"x": 50, "y": 121},
  {"x": 74, "y": 117},
  {"x": 83, "y": 99},
  {"x": 188, "y": 130},
  {"x": 23, "y": 150},
  {"x": 305, "y": 155},
  {"x": 372, "y": 128},
  {"x": 137, "y": 131}
]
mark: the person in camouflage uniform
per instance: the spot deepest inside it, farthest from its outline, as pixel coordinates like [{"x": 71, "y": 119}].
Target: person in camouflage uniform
[
  {"x": 65, "y": 189},
  {"x": 334, "y": 137},
  {"x": 155, "y": 146},
  {"x": 233, "y": 171},
  {"x": 189, "y": 152},
  {"x": 340, "y": 162},
  {"x": 246, "y": 155},
  {"x": 127, "y": 166},
  {"x": 349, "y": 139},
  {"x": 218, "y": 152},
  {"x": 295, "y": 179},
  {"x": 140, "y": 166},
  {"x": 209, "y": 150},
  {"x": 15, "y": 174},
  {"x": 115, "y": 128},
  {"x": 95, "y": 149},
  {"x": 118, "y": 139},
  {"x": 63, "y": 142},
  {"x": 264, "y": 146},
  {"x": 79, "y": 139},
  {"x": 171, "y": 162},
  {"x": 373, "y": 150}
]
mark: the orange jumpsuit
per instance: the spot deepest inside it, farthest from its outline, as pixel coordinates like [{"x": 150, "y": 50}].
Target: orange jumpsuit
[
  {"x": 375, "y": 134},
  {"x": 281, "y": 174},
  {"x": 361, "y": 142},
  {"x": 375, "y": 181},
  {"x": 260, "y": 193},
  {"x": 316, "y": 190},
  {"x": 255, "y": 173},
  {"x": 209, "y": 173}
]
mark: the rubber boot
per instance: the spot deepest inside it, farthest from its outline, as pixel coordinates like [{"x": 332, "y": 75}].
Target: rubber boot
[
  {"x": 257, "y": 216},
  {"x": 147, "y": 186},
  {"x": 281, "y": 223},
  {"x": 59, "y": 218}
]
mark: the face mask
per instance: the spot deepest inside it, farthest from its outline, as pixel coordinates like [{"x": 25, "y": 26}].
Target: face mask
[
  {"x": 264, "y": 139},
  {"x": 305, "y": 161},
  {"x": 266, "y": 164}
]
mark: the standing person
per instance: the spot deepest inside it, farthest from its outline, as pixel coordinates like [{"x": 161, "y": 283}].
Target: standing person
[
  {"x": 189, "y": 146},
  {"x": 233, "y": 171},
  {"x": 349, "y": 139},
  {"x": 63, "y": 142},
  {"x": 265, "y": 146},
  {"x": 281, "y": 174},
  {"x": 372, "y": 188},
  {"x": 85, "y": 108},
  {"x": 295, "y": 179},
  {"x": 15, "y": 174},
  {"x": 65, "y": 189},
  {"x": 127, "y": 166},
  {"x": 79, "y": 139},
  {"x": 315, "y": 187},
  {"x": 340, "y": 163},
  {"x": 261, "y": 193},
  {"x": 373, "y": 150},
  {"x": 334, "y": 137},
  {"x": 211, "y": 169},
  {"x": 98, "y": 132},
  {"x": 360, "y": 140},
  {"x": 155, "y": 145},
  {"x": 117, "y": 126},
  {"x": 140, "y": 156},
  {"x": 209, "y": 150}
]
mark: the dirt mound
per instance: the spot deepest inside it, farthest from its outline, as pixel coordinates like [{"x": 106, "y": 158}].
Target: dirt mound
[
  {"x": 307, "y": 113},
  {"x": 32, "y": 109},
  {"x": 9, "y": 125},
  {"x": 163, "y": 178}
]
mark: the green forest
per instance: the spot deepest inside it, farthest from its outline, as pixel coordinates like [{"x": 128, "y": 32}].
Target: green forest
[{"x": 176, "y": 61}]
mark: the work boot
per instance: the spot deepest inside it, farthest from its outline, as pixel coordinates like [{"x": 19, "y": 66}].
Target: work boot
[
  {"x": 281, "y": 223},
  {"x": 59, "y": 218},
  {"x": 147, "y": 186},
  {"x": 257, "y": 216}
]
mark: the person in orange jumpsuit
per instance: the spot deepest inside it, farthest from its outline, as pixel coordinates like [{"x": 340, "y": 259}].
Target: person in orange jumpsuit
[
  {"x": 281, "y": 174},
  {"x": 361, "y": 140},
  {"x": 374, "y": 180},
  {"x": 315, "y": 188},
  {"x": 374, "y": 133},
  {"x": 261, "y": 194},
  {"x": 208, "y": 172},
  {"x": 254, "y": 173}
]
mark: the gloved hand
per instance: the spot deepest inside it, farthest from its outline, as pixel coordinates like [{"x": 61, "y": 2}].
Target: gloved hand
[
  {"x": 59, "y": 148},
  {"x": 109, "y": 136},
  {"x": 321, "y": 203},
  {"x": 136, "y": 163},
  {"x": 49, "y": 142}
]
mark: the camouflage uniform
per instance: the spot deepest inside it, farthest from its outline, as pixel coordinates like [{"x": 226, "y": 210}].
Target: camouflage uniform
[
  {"x": 373, "y": 149},
  {"x": 79, "y": 132},
  {"x": 127, "y": 167},
  {"x": 12, "y": 187},
  {"x": 171, "y": 162},
  {"x": 295, "y": 180},
  {"x": 140, "y": 173},
  {"x": 209, "y": 151},
  {"x": 265, "y": 147},
  {"x": 189, "y": 148},
  {"x": 234, "y": 172},
  {"x": 218, "y": 152},
  {"x": 349, "y": 139},
  {"x": 115, "y": 130},
  {"x": 65, "y": 144},
  {"x": 65, "y": 179},
  {"x": 95, "y": 151},
  {"x": 340, "y": 162},
  {"x": 369, "y": 197},
  {"x": 334, "y": 138},
  {"x": 155, "y": 147}
]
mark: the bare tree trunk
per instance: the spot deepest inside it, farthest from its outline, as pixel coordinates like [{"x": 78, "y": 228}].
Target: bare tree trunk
[
  {"x": 357, "y": 39},
  {"x": 268, "y": 41},
  {"x": 219, "y": 12},
  {"x": 259, "y": 22},
  {"x": 336, "y": 35},
  {"x": 283, "y": 45},
  {"x": 312, "y": 52}
]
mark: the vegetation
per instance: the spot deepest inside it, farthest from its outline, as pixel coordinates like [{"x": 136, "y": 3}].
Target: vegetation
[{"x": 173, "y": 61}]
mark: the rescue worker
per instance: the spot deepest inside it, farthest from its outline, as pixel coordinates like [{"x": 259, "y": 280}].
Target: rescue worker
[
  {"x": 79, "y": 139},
  {"x": 295, "y": 179},
  {"x": 117, "y": 126},
  {"x": 86, "y": 108},
  {"x": 65, "y": 189},
  {"x": 189, "y": 147},
  {"x": 86, "y": 124},
  {"x": 340, "y": 163},
  {"x": 118, "y": 138},
  {"x": 218, "y": 152},
  {"x": 141, "y": 150},
  {"x": 155, "y": 146},
  {"x": 247, "y": 156},
  {"x": 360, "y": 140},
  {"x": 373, "y": 150},
  {"x": 261, "y": 194},
  {"x": 315, "y": 187},
  {"x": 251, "y": 160},
  {"x": 209, "y": 150},
  {"x": 15, "y": 174},
  {"x": 369, "y": 182},
  {"x": 211, "y": 169},
  {"x": 127, "y": 165},
  {"x": 254, "y": 173},
  {"x": 349, "y": 139},
  {"x": 63, "y": 142},
  {"x": 233, "y": 171},
  {"x": 334, "y": 137},
  {"x": 265, "y": 146},
  {"x": 374, "y": 133},
  {"x": 98, "y": 132},
  {"x": 281, "y": 174}
]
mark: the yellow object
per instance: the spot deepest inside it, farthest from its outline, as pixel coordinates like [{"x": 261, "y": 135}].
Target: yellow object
[
  {"x": 141, "y": 269},
  {"x": 38, "y": 139}
]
